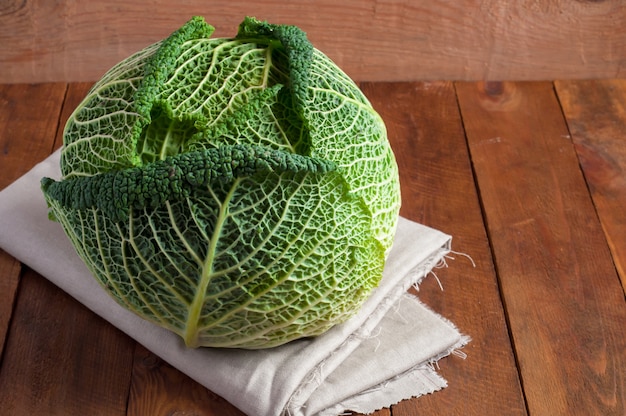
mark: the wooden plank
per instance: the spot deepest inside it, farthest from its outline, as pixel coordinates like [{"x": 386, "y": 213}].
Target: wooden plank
[
  {"x": 425, "y": 130},
  {"x": 374, "y": 40},
  {"x": 595, "y": 112},
  {"x": 29, "y": 116},
  {"x": 9, "y": 280},
  {"x": 60, "y": 358},
  {"x": 159, "y": 389},
  {"x": 26, "y": 136},
  {"x": 563, "y": 298}
]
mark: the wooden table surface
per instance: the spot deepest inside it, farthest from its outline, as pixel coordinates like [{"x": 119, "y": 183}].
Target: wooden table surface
[{"x": 528, "y": 178}]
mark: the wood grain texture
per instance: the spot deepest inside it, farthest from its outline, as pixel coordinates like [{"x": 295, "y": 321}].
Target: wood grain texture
[
  {"x": 158, "y": 389},
  {"x": 9, "y": 279},
  {"x": 559, "y": 284},
  {"x": 374, "y": 40},
  {"x": 26, "y": 136},
  {"x": 61, "y": 359},
  {"x": 563, "y": 298},
  {"x": 29, "y": 117},
  {"x": 595, "y": 111},
  {"x": 426, "y": 132}
]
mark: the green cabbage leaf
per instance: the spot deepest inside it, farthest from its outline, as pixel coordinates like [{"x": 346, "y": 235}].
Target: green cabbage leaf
[{"x": 240, "y": 192}]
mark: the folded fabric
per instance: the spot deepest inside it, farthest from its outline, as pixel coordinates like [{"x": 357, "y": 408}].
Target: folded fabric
[{"x": 382, "y": 355}]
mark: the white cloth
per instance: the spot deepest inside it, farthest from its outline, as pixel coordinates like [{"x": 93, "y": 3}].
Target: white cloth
[{"x": 382, "y": 355}]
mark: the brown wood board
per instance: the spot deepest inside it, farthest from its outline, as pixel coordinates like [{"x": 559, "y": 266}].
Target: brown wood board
[
  {"x": 29, "y": 117},
  {"x": 563, "y": 298},
  {"x": 60, "y": 358},
  {"x": 10, "y": 270},
  {"x": 392, "y": 40},
  {"x": 159, "y": 389},
  {"x": 24, "y": 140},
  {"x": 596, "y": 116},
  {"x": 502, "y": 176}
]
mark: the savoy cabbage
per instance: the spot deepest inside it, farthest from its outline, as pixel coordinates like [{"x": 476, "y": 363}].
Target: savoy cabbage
[{"x": 240, "y": 192}]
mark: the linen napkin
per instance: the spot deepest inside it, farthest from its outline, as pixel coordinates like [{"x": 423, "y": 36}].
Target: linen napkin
[{"x": 382, "y": 355}]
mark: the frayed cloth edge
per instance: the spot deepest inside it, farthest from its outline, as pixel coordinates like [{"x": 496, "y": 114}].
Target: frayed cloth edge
[{"x": 414, "y": 278}]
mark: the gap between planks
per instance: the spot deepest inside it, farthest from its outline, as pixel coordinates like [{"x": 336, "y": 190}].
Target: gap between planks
[{"x": 562, "y": 295}]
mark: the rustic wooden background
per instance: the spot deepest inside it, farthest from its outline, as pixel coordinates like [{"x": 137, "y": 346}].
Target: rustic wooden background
[
  {"x": 372, "y": 40},
  {"x": 517, "y": 167}
]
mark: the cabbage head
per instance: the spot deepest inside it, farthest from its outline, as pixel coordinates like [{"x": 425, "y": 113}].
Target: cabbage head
[{"x": 240, "y": 192}]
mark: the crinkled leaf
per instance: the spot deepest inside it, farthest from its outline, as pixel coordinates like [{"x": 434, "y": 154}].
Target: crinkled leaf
[{"x": 240, "y": 192}]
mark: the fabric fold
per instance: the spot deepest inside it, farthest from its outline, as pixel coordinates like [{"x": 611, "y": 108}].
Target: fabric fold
[{"x": 382, "y": 355}]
